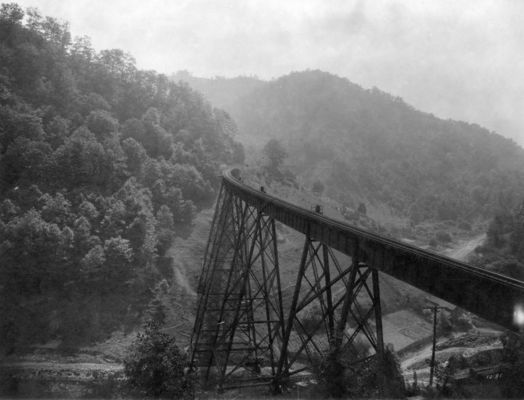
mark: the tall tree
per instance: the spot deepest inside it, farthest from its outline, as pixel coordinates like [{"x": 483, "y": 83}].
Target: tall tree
[{"x": 275, "y": 153}]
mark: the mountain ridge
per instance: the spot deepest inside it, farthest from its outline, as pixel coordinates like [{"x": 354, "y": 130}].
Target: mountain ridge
[{"x": 365, "y": 144}]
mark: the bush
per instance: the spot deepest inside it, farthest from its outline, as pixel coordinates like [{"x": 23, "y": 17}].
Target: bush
[
  {"x": 362, "y": 209},
  {"x": 464, "y": 225},
  {"x": 443, "y": 237},
  {"x": 340, "y": 376},
  {"x": 512, "y": 380},
  {"x": 318, "y": 188},
  {"x": 155, "y": 366}
]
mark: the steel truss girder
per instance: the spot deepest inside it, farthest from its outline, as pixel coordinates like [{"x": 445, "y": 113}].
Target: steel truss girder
[
  {"x": 345, "y": 303},
  {"x": 237, "y": 328},
  {"x": 243, "y": 336}
]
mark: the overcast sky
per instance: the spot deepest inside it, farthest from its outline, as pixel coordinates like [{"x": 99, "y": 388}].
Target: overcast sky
[{"x": 457, "y": 59}]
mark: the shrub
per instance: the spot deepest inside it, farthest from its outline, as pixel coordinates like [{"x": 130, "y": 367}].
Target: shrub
[
  {"x": 512, "y": 380},
  {"x": 362, "y": 209},
  {"x": 443, "y": 237},
  {"x": 155, "y": 365},
  {"x": 464, "y": 225},
  {"x": 341, "y": 377},
  {"x": 318, "y": 188}
]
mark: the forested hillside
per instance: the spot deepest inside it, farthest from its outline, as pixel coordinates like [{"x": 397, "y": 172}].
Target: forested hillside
[
  {"x": 100, "y": 165},
  {"x": 222, "y": 92},
  {"x": 365, "y": 145}
]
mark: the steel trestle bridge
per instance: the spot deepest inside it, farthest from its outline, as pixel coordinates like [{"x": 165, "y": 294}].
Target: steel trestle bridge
[{"x": 252, "y": 330}]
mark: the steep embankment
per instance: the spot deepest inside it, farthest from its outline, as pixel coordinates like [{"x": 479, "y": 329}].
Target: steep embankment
[{"x": 180, "y": 298}]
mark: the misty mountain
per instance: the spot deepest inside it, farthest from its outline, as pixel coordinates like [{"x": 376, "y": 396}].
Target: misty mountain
[
  {"x": 221, "y": 92},
  {"x": 366, "y": 145}
]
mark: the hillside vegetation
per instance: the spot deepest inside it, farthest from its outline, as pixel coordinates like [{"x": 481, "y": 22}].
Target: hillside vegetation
[
  {"x": 503, "y": 250},
  {"x": 100, "y": 165},
  {"x": 366, "y": 145},
  {"x": 222, "y": 92}
]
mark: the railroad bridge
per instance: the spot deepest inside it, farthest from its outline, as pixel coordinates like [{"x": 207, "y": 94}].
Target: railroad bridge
[{"x": 251, "y": 330}]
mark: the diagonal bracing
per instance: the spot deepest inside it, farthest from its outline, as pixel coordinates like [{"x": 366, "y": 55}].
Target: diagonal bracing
[
  {"x": 237, "y": 334},
  {"x": 244, "y": 336}
]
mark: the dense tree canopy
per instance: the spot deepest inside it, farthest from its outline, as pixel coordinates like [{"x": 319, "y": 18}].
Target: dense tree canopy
[{"x": 100, "y": 165}]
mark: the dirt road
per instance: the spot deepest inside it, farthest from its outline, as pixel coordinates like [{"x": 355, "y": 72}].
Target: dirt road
[{"x": 464, "y": 249}]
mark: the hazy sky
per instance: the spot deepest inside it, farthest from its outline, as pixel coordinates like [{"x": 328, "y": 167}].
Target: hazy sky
[{"x": 457, "y": 59}]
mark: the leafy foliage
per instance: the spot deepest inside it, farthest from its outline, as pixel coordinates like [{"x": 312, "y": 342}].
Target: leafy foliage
[
  {"x": 512, "y": 382},
  {"x": 275, "y": 153},
  {"x": 101, "y": 164},
  {"x": 503, "y": 250},
  {"x": 342, "y": 377},
  {"x": 317, "y": 188},
  {"x": 155, "y": 366}
]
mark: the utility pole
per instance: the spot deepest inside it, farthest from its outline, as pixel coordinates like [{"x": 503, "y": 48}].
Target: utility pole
[
  {"x": 432, "y": 366},
  {"x": 435, "y": 309}
]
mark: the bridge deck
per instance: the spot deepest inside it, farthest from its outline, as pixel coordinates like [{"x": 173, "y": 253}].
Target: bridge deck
[{"x": 487, "y": 294}]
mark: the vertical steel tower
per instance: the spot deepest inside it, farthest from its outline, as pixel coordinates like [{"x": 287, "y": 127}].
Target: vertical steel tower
[{"x": 251, "y": 329}]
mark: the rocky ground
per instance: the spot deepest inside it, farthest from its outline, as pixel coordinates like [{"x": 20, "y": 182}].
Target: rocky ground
[{"x": 46, "y": 372}]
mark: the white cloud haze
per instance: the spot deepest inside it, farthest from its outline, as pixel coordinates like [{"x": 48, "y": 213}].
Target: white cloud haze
[{"x": 457, "y": 59}]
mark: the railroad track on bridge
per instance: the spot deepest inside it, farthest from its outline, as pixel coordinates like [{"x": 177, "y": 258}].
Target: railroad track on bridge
[{"x": 243, "y": 335}]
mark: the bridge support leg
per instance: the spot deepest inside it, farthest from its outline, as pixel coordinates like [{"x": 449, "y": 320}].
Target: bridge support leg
[
  {"x": 334, "y": 311},
  {"x": 379, "y": 331},
  {"x": 243, "y": 337},
  {"x": 238, "y": 326},
  {"x": 283, "y": 361}
]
